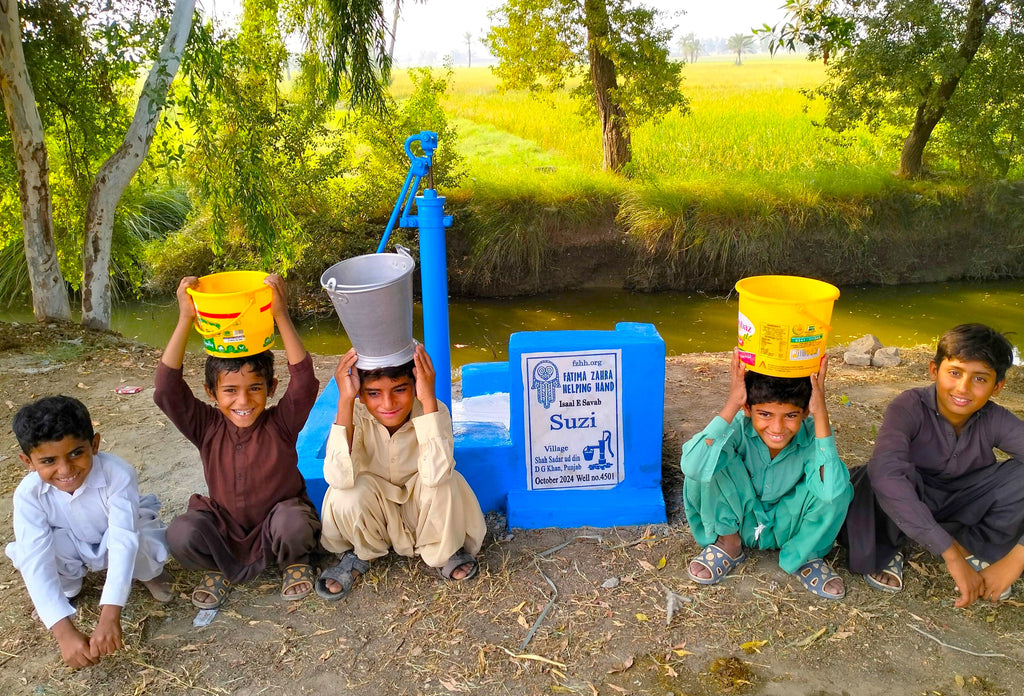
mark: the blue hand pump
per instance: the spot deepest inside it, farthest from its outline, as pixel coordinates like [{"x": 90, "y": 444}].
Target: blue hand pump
[{"x": 431, "y": 222}]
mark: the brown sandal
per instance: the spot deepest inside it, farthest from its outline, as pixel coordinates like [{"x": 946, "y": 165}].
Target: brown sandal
[
  {"x": 214, "y": 584},
  {"x": 296, "y": 574}
]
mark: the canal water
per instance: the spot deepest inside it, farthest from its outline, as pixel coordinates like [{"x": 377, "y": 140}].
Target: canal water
[{"x": 906, "y": 315}]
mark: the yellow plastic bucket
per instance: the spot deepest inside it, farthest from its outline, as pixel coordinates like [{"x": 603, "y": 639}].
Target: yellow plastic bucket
[
  {"x": 233, "y": 313},
  {"x": 784, "y": 322}
]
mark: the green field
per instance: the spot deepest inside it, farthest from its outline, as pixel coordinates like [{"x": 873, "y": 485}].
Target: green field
[{"x": 749, "y": 128}]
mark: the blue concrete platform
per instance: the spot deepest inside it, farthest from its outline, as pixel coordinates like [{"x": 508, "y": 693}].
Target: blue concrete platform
[{"x": 584, "y": 443}]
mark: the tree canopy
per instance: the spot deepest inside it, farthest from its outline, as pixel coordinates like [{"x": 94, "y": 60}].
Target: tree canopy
[
  {"x": 943, "y": 68},
  {"x": 618, "y": 51}
]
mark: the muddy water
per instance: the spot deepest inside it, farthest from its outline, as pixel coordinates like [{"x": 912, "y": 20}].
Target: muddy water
[{"x": 904, "y": 316}]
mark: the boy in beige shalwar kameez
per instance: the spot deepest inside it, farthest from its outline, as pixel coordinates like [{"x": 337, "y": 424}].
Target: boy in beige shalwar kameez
[{"x": 391, "y": 474}]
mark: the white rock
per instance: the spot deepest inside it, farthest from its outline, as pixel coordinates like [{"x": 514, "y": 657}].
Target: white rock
[
  {"x": 865, "y": 344},
  {"x": 862, "y": 359},
  {"x": 886, "y": 357}
]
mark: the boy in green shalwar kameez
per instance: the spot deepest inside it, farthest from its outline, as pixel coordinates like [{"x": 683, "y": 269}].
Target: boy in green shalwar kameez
[{"x": 767, "y": 478}]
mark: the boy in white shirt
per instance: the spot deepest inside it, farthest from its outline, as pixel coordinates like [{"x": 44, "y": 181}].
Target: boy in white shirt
[{"x": 79, "y": 510}]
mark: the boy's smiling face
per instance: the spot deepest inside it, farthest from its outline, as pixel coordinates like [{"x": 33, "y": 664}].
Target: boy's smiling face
[
  {"x": 65, "y": 463},
  {"x": 388, "y": 400},
  {"x": 242, "y": 395},
  {"x": 962, "y": 387},
  {"x": 776, "y": 424}
]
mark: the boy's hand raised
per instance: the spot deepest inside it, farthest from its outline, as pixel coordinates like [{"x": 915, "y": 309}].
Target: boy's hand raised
[
  {"x": 279, "y": 307},
  {"x": 186, "y": 308},
  {"x": 737, "y": 388},
  {"x": 347, "y": 377},
  {"x": 423, "y": 372},
  {"x": 816, "y": 407}
]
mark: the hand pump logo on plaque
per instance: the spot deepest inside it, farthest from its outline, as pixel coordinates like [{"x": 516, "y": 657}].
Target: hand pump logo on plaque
[{"x": 573, "y": 405}]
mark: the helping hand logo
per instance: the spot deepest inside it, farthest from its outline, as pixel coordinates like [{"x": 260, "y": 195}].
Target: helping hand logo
[{"x": 545, "y": 381}]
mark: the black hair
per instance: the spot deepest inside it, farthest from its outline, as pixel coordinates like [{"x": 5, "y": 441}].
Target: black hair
[
  {"x": 976, "y": 342},
  {"x": 51, "y": 419},
  {"x": 394, "y": 372},
  {"x": 765, "y": 389},
  {"x": 261, "y": 363}
]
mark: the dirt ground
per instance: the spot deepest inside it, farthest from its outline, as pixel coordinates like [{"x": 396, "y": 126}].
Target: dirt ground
[{"x": 590, "y": 617}]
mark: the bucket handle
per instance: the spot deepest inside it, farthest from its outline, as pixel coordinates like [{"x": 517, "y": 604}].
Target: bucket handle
[
  {"x": 802, "y": 309},
  {"x": 234, "y": 322},
  {"x": 332, "y": 282}
]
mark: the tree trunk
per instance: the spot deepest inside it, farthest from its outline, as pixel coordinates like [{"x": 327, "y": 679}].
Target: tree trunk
[
  {"x": 614, "y": 126},
  {"x": 931, "y": 110},
  {"x": 116, "y": 173},
  {"x": 49, "y": 296},
  {"x": 394, "y": 30}
]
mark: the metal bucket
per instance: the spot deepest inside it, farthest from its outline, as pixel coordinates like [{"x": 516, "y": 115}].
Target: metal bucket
[{"x": 373, "y": 297}]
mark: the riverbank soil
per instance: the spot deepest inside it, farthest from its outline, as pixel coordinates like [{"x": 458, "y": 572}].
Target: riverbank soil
[{"x": 600, "y": 600}]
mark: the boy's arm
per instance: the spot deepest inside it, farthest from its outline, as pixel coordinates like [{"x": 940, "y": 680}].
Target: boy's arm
[
  {"x": 703, "y": 452},
  {"x": 826, "y": 475},
  {"x": 122, "y": 543},
  {"x": 892, "y": 475},
  {"x": 35, "y": 556},
  {"x": 436, "y": 442},
  {"x": 339, "y": 471},
  {"x": 293, "y": 348},
  {"x": 1006, "y": 571},
  {"x": 174, "y": 353}
]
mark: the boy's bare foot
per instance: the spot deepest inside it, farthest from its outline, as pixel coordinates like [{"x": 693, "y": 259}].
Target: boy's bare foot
[
  {"x": 889, "y": 578},
  {"x": 161, "y": 587},
  {"x": 297, "y": 581},
  {"x": 730, "y": 543},
  {"x": 461, "y": 566},
  {"x": 883, "y": 578}
]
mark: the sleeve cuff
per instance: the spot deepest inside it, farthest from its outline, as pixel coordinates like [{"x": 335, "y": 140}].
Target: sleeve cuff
[
  {"x": 338, "y": 471},
  {"x": 51, "y": 615},
  {"x": 428, "y": 426}
]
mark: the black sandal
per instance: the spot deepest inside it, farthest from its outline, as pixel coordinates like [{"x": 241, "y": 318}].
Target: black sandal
[
  {"x": 459, "y": 559},
  {"x": 341, "y": 573}
]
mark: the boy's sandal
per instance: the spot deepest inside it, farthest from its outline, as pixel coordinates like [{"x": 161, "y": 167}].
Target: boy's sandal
[
  {"x": 214, "y": 585},
  {"x": 459, "y": 559},
  {"x": 814, "y": 575},
  {"x": 294, "y": 575},
  {"x": 979, "y": 565},
  {"x": 718, "y": 563},
  {"x": 341, "y": 573},
  {"x": 894, "y": 569}
]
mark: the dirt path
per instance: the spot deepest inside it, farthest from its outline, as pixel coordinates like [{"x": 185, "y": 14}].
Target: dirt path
[{"x": 403, "y": 632}]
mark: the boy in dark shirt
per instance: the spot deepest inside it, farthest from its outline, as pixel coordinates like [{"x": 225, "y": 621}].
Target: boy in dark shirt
[
  {"x": 934, "y": 478},
  {"x": 257, "y": 511}
]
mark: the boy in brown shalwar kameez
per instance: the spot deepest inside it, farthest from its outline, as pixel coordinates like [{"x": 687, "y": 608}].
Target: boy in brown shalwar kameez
[
  {"x": 257, "y": 511},
  {"x": 391, "y": 475}
]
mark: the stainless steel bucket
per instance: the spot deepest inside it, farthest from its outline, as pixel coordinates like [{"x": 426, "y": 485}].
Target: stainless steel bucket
[{"x": 373, "y": 297}]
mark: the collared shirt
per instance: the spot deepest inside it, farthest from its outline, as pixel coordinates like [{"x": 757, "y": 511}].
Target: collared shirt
[
  {"x": 915, "y": 437},
  {"x": 247, "y": 470},
  {"x": 100, "y": 516},
  {"x": 424, "y": 445},
  {"x": 800, "y": 461}
]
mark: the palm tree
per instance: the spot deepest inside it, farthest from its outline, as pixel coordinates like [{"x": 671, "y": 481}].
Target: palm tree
[
  {"x": 691, "y": 47},
  {"x": 740, "y": 44}
]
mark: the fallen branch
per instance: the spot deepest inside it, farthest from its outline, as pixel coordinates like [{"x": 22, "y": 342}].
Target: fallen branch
[
  {"x": 543, "y": 614},
  {"x": 537, "y": 658},
  {"x": 954, "y": 647}
]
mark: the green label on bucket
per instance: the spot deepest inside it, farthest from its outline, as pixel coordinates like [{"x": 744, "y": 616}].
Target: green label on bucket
[{"x": 805, "y": 339}]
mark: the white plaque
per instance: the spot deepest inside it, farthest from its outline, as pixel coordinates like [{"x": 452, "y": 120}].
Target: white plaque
[{"x": 573, "y": 403}]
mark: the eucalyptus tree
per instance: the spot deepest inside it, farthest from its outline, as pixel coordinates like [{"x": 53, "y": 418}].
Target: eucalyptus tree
[
  {"x": 617, "y": 50},
  {"x": 915, "y": 65},
  {"x": 109, "y": 40}
]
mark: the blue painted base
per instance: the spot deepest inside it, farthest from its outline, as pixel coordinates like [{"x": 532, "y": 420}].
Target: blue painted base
[{"x": 538, "y": 509}]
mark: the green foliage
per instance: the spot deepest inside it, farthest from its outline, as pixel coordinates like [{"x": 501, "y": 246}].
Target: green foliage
[
  {"x": 542, "y": 45},
  {"x": 902, "y": 65},
  {"x": 383, "y": 169}
]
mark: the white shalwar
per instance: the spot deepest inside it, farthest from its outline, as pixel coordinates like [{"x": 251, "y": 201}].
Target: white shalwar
[{"x": 59, "y": 536}]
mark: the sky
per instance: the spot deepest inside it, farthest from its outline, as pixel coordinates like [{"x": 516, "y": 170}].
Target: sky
[{"x": 438, "y": 27}]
